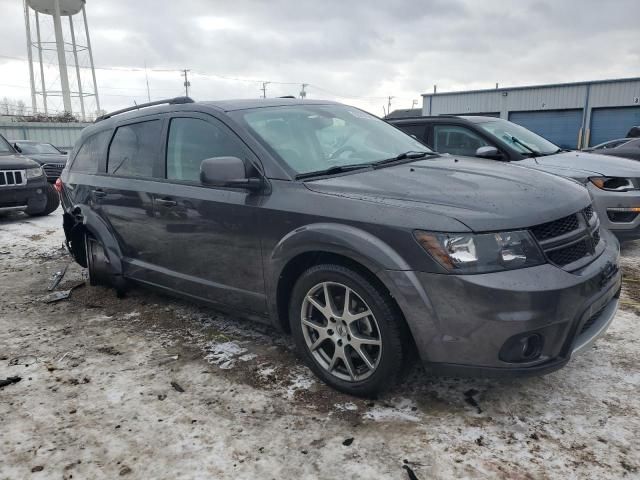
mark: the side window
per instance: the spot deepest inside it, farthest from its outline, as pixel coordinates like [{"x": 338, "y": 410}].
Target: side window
[
  {"x": 192, "y": 140},
  {"x": 416, "y": 131},
  {"x": 88, "y": 156},
  {"x": 134, "y": 150},
  {"x": 456, "y": 140}
]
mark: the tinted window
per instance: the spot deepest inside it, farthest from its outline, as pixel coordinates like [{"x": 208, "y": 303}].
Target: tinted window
[
  {"x": 416, "y": 131},
  {"x": 191, "y": 140},
  {"x": 88, "y": 156},
  {"x": 456, "y": 140},
  {"x": 134, "y": 150},
  {"x": 37, "y": 148}
]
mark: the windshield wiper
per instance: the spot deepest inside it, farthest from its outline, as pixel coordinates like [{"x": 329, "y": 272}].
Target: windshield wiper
[
  {"x": 520, "y": 142},
  {"x": 333, "y": 170},
  {"x": 410, "y": 155}
]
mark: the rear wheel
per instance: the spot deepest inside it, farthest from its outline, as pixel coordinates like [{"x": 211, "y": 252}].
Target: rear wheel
[
  {"x": 53, "y": 202},
  {"x": 99, "y": 267},
  {"x": 346, "y": 329}
]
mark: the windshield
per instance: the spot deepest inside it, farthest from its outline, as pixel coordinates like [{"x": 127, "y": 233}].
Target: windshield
[
  {"x": 5, "y": 147},
  {"x": 506, "y": 131},
  {"x": 311, "y": 138},
  {"x": 37, "y": 148}
]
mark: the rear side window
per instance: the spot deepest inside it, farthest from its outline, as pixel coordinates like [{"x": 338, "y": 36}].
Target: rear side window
[
  {"x": 416, "y": 131},
  {"x": 134, "y": 150},
  {"x": 191, "y": 140},
  {"x": 88, "y": 156}
]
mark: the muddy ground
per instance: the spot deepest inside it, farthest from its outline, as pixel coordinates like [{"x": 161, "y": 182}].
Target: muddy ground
[{"x": 152, "y": 387}]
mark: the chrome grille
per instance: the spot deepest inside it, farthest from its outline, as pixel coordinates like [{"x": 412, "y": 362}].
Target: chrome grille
[
  {"x": 53, "y": 170},
  {"x": 11, "y": 178},
  {"x": 570, "y": 239}
]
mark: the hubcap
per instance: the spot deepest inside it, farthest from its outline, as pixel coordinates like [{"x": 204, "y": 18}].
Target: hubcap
[{"x": 341, "y": 331}]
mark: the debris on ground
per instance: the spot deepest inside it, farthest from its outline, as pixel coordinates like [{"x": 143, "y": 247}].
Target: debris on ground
[
  {"x": 348, "y": 442},
  {"x": 61, "y": 295},
  {"x": 24, "y": 360},
  {"x": 468, "y": 397},
  {"x": 177, "y": 387},
  {"x": 9, "y": 381},
  {"x": 57, "y": 277},
  {"x": 410, "y": 473}
]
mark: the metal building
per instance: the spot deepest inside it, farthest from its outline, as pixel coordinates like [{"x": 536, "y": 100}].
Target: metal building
[{"x": 571, "y": 115}]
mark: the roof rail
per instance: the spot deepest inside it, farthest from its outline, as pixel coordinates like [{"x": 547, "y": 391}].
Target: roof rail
[{"x": 168, "y": 101}]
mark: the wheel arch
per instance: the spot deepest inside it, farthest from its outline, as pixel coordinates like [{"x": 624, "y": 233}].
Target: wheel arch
[
  {"x": 77, "y": 222},
  {"x": 328, "y": 243}
]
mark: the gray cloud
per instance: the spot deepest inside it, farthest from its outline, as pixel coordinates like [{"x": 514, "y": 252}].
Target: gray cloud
[{"x": 367, "y": 49}]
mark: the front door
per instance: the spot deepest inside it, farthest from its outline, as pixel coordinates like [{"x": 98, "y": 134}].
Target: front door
[{"x": 207, "y": 238}]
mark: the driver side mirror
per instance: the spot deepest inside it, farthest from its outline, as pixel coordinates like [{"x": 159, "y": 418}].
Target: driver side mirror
[
  {"x": 489, "y": 152},
  {"x": 18, "y": 149},
  {"x": 230, "y": 172}
]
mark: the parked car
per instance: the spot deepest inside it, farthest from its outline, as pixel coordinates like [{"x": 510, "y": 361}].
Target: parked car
[
  {"x": 613, "y": 182},
  {"x": 23, "y": 185},
  {"x": 51, "y": 158},
  {"x": 622, "y": 147},
  {"x": 327, "y": 222}
]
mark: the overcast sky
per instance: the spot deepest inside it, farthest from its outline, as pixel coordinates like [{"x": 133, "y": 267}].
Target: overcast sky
[{"x": 358, "y": 52}]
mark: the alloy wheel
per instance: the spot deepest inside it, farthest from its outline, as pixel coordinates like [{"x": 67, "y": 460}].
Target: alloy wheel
[{"x": 341, "y": 331}]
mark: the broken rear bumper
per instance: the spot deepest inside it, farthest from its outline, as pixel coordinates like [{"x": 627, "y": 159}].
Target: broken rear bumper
[{"x": 464, "y": 324}]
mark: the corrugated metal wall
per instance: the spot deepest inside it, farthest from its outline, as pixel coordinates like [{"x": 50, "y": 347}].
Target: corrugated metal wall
[
  {"x": 62, "y": 135},
  {"x": 585, "y": 96}
]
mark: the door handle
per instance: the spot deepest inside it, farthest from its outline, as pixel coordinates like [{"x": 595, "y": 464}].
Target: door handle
[
  {"x": 99, "y": 193},
  {"x": 166, "y": 202}
]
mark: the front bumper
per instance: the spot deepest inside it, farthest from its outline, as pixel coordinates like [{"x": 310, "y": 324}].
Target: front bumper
[
  {"x": 31, "y": 196},
  {"x": 604, "y": 201},
  {"x": 460, "y": 323}
]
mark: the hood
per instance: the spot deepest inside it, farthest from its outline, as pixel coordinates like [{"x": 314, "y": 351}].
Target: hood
[
  {"x": 17, "y": 162},
  {"x": 585, "y": 164},
  {"x": 484, "y": 195},
  {"x": 48, "y": 158}
]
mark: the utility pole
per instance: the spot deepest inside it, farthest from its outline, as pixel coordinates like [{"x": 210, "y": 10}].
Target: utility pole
[
  {"x": 389, "y": 105},
  {"x": 146, "y": 77},
  {"x": 187, "y": 83},
  {"x": 264, "y": 89},
  {"x": 413, "y": 103},
  {"x": 303, "y": 94}
]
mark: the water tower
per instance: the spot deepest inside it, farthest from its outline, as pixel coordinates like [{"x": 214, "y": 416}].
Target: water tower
[{"x": 61, "y": 53}]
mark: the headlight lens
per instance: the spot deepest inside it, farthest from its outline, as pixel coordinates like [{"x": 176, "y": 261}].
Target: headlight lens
[
  {"x": 613, "y": 184},
  {"x": 482, "y": 253},
  {"x": 34, "y": 172}
]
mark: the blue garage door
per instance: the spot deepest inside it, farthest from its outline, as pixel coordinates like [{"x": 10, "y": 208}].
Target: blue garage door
[
  {"x": 611, "y": 123},
  {"x": 561, "y": 127}
]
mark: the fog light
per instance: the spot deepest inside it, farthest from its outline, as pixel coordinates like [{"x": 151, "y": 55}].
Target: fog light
[{"x": 525, "y": 347}]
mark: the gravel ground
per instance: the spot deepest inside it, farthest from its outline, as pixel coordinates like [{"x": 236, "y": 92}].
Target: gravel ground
[{"x": 151, "y": 387}]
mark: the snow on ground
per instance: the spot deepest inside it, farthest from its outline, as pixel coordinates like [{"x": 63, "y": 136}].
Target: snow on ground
[{"x": 151, "y": 387}]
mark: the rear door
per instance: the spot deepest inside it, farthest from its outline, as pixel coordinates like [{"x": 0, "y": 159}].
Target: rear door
[
  {"x": 207, "y": 239},
  {"x": 125, "y": 195}
]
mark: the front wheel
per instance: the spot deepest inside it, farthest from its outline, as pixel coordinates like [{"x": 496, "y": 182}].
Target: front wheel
[{"x": 346, "y": 329}]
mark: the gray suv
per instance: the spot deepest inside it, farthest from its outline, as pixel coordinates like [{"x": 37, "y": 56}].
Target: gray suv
[{"x": 331, "y": 224}]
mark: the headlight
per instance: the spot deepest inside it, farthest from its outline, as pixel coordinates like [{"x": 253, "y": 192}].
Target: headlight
[
  {"x": 34, "y": 172},
  {"x": 482, "y": 253},
  {"x": 613, "y": 184}
]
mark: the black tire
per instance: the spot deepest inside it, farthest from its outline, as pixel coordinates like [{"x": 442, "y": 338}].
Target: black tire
[
  {"x": 99, "y": 267},
  {"x": 53, "y": 202},
  {"x": 388, "y": 325}
]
